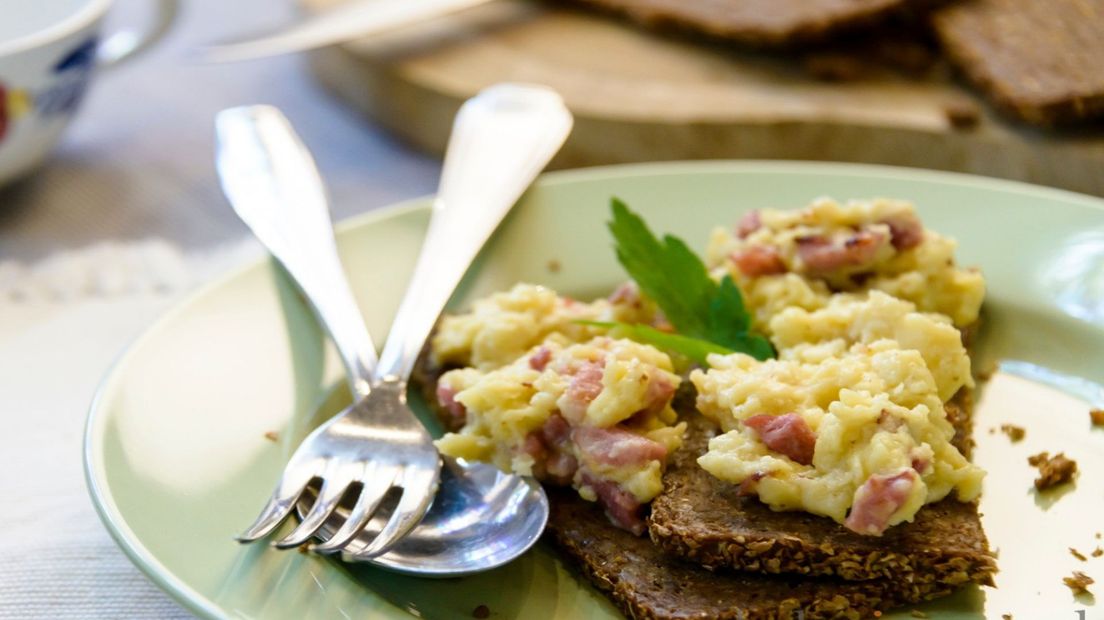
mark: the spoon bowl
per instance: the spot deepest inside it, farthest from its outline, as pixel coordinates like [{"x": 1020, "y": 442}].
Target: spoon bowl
[{"x": 480, "y": 519}]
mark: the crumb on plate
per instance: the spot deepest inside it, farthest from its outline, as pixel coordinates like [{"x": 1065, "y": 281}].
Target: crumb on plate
[
  {"x": 553, "y": 265},
  {"x": 1015, "y": 433},
  {"x": 1006, "y": 616},
  {"x": 1077, "y": 554},
  {"x": 1097, "y": 417},
  {"x": 1078, "y": 582},
  {"x": 272, "y": 436},
  {"x": 1053, "y": 471},
  {"x": 1097, "y": 552}
]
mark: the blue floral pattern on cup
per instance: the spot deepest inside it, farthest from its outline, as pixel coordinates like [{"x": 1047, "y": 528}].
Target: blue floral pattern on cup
[{"x": 73, "y": 72}]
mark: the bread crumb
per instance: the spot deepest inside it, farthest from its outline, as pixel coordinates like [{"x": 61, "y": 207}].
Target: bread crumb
[
  {"x": 481, "y": 612},
  {"x": 272, "y": 436},
  {"x": 962, "y": 114},
  {"x": 554, "y": 265},
  {"x": 1015, "y": 433},
  {"x": 304, "y": 548},
  {"x": 1006, "y": 616},
  {"x": 1079, "y": 582},
  {"x": 1097, "y": 552},
  {"x": 1097, "y": 417},
  {"x": 1077, "y": 554},
  {"x": 1053, "y": 471},
  {"x": 916, "y": 613}
]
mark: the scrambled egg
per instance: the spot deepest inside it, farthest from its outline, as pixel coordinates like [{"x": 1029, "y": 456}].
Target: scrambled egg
[
  {"x": 508, "y": 405},
  {"x": 501, "y": 328},
  {"x": 864, "y": 306},
  {"x": 903, "y": 259},
  {"x": 874, "y": 409},
  {"x": 850, "y": 319}
]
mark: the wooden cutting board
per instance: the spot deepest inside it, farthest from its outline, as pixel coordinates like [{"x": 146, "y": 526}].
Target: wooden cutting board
[{"x": 640, "y": 96}]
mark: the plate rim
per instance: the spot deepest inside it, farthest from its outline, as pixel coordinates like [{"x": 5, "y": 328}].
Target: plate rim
[{"x": 95, "y": 421}]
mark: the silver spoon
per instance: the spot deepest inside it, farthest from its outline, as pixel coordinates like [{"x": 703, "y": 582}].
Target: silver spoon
[{"x": 502, "y": 138}]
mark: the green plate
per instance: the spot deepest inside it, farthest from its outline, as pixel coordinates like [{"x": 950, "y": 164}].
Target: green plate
[{"x": 178, "y": 462}]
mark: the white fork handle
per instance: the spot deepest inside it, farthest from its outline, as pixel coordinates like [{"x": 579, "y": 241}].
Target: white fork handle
[
  {"x": 501, "y": 140},
  {"x": 271, "y": 181}
]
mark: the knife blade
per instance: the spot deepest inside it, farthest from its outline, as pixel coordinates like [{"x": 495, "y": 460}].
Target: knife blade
[{"x": 344, "y": 22}]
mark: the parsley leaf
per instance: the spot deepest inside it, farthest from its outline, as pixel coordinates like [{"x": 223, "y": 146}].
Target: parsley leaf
[
  {"x": 693, "y": 349},
  {"x": 669, "y": 273}
]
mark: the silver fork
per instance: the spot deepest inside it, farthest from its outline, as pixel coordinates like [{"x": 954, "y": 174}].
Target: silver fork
[{"x": 501, "y": 140}]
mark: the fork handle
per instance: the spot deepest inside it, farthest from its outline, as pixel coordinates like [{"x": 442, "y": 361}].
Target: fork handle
[
  {"x": 273, "y": 184},
  {"x": 502, "y": 138}
]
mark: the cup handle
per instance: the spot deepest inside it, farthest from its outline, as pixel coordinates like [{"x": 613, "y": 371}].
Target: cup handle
[{"x": 127, "y": 44}]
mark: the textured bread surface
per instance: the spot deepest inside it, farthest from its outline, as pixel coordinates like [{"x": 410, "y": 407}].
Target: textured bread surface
[{"x": 1038, "y": 60}]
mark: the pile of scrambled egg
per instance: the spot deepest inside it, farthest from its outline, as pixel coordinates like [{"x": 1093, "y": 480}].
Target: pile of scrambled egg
[
  {"x": 870, "y": 392},
  {"x": 925, "y": 274},
  {"x": 507, "y": 405},
  {"x": 501, "y": 328},
  {"x": 864, "y": 307}
]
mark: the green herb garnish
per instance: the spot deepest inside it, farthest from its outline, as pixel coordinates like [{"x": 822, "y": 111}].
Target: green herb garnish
[
  {"x": 694, "y": 349},
  {"x": 669, "y": 273}
]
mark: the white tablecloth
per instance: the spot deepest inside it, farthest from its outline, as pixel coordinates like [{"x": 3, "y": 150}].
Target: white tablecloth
[{"x": 125, "y": 219}]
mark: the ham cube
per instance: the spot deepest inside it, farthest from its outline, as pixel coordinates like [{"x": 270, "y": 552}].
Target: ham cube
[
  {"x": 787, "y": 434},
  {"x": 878, "y": 499}
]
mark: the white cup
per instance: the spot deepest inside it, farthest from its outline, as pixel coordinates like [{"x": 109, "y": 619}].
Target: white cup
[{"x": 49, "y": 52}]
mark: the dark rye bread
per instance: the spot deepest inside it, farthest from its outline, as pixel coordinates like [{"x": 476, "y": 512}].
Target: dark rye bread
[
  {"x": 705, "y": 520},
  {"x": 763, "y": 23},
  {"x": 646, "y": 583},
  {"x": 1038, "y": 59}
]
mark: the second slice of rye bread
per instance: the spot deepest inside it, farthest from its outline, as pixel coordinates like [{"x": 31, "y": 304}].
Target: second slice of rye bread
[
  {"x": 646, "y": 583},
  {"x": 704, "y": 520}
]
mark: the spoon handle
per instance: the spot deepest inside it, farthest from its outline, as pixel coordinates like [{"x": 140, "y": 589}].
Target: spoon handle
[
  {"x": 502, "y": 138},
  {"x": 273, "y": 184}
]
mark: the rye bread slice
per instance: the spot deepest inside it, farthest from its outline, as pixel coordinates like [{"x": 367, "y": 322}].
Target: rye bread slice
[
  {"x": 646, "y": 583},
  {"x": 1038, "y": 60},
  {"x": 763, "y": 23},
  {"x": 704, "y": 520}
]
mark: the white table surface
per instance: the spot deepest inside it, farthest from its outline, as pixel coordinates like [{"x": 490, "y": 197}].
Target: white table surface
[{"x": 135, "y": 166}]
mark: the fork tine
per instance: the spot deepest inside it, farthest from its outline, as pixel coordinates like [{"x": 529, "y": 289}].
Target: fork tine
[
  {"x": 375, "y": 488},
  {"x": 333, "y": 487},
  {"x": 279, "y": 506},
  {"x": 418, "y": 491}
]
